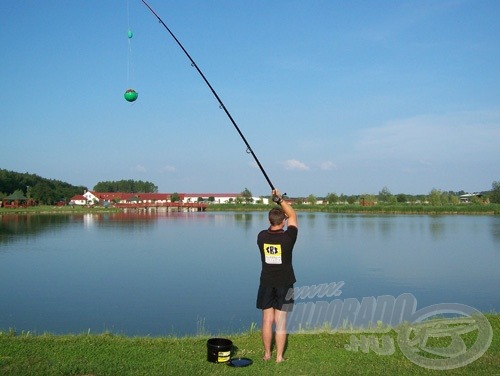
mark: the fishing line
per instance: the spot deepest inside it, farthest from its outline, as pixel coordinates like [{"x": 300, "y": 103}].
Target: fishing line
[
  {"x": 130, "y": 65},
  {"x": 221, "y": 104},
  {"x": 130, "y": 94}
]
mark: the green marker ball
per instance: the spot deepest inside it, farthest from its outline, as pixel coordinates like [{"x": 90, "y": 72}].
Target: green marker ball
[{"x": 131, "y": 95}]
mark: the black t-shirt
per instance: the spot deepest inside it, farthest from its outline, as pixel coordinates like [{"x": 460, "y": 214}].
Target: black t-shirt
[{"x": 276, "y": 255}]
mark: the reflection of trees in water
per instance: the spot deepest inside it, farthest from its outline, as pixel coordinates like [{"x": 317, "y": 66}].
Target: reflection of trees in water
[
  {"x": 495, "y": 230},
  {"x": 311, "y": 217},
  {"x": 436, "y": 227},
  {"x": 11, "y": 226},
  {"x": 244, "y": 220},
  {"x": 332, "y": 222},
  {"x": 18, "y": 226}
]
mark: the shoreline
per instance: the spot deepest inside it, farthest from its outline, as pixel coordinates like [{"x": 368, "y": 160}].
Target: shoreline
[{"x": 410, "y": 209}]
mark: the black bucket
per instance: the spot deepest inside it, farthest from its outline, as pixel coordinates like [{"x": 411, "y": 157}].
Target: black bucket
[{"x": 219, "y": 350}]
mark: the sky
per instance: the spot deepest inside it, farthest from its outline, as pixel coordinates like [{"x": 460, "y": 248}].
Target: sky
[{"x": 345, "y": 97}]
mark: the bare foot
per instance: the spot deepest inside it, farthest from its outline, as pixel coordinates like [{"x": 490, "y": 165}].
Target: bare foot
[
  {"x": 266, "y": 357},
  {"x": 279, "y": 360}
]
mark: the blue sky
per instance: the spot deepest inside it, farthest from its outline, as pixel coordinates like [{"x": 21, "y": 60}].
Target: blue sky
[{"x": 333, "y": 96}]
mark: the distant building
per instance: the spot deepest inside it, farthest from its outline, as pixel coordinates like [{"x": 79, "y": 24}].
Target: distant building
[
  {"x": 466, "y": 198},
  {"x": 92, "y": 197},
  {"x": 78, "y": 200}
]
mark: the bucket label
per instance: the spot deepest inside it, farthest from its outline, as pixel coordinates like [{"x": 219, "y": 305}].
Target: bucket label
[{"x": 223, "y": 356}]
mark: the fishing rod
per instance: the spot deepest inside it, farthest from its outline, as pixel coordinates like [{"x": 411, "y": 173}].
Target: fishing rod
[{"x": 221, "y": 104}]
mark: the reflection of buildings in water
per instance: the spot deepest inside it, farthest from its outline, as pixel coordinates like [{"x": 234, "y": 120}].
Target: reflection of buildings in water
[
  {"x": 88, "y": 220},
  {"x": 127, "y": 219}
]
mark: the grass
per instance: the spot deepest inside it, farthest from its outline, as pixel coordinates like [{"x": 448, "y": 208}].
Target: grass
[
  {"x": 419, "y": 209},
  {"x": 308, "y": 354},
  {"x": 489, "y": 209},
  {"x": 51, "y": 209}
]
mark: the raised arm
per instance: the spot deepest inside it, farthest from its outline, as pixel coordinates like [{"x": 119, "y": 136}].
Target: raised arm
[{"x": 287, "y": 208}]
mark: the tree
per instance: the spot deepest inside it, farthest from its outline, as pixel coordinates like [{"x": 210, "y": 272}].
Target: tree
[
  {"x": 495, "y": 192},
  {"x": 332, "y": 198},
  {"x": 175, "y": 197},
  {"x": 445, "y": 198},
  {"x": 44, "y": 193},
  {"x": 401, "y": 198},
  {"x": 476, "y": 200},
  {"x": 126, "y": 186},
  {"x": 386, "y": 196},
  {"x": 35, "y": 187},
  {"x": 454, "y": 200},
  {"x": 367, "y": 200},
  {"x": 351, "y": 199},
  {"x": 311, "y": 199},
  {"x": 247, "y": 195},
  {"x": 434, "y": 197}
]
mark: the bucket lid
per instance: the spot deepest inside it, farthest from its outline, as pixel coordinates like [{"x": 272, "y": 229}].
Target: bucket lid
[
  {"x": 239, "y": 362},
  {"x": 217, "y": 342}
]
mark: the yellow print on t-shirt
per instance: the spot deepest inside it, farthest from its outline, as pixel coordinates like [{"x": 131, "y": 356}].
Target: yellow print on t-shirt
[{"x": 272, "y": 253}]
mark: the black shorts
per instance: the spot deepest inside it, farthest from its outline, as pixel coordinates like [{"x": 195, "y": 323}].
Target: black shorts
[{"x": 275, "y": 297}]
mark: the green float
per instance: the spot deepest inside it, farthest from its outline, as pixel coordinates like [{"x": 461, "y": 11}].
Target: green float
[{"x": 131, "y": 95}]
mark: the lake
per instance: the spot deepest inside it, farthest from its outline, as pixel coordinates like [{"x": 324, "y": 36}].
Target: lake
[{"x": 160, "y": 273}]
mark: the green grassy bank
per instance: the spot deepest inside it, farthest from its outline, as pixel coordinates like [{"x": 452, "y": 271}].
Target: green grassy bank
[
  {"x": 308, "y": 354},
  {"x": 50, "y": 209},
  {"x": 477, "y": 209}
]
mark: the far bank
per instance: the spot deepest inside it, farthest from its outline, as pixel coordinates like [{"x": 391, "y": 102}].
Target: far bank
[{"x": 470, "y": 209}]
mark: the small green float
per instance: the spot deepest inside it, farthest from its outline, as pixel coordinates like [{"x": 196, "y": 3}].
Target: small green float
[{"x": 131, "y": 95}]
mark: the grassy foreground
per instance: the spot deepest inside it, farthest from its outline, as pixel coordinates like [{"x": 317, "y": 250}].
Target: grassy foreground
[{"x": 308, "y": 354}]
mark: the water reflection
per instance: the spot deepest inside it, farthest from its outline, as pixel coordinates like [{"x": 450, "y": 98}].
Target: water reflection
[
  {"x": 495, "y": 232},
  {"x": 15, "y": 225},
  {"x": 436, "y": 227},
  {"x": 155, "y": 273},
  {"x": 244, "y": 220}
]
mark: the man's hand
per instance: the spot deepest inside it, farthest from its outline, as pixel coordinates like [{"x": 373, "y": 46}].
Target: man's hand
[
  {"x": 276, "y": 196},
  {"x": 287, "y": 208}
]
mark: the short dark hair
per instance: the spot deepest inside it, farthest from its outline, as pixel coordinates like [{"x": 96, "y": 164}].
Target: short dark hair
[{"x": 276, "y": 216}]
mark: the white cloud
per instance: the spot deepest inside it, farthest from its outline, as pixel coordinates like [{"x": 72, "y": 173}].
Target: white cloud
[
  {"x": 167, "y": 169},
  {"x": 328, "y": 165},
  {"x": 139, "y": 168},
  {"x": 293, "y": 164},
  {"x": 458, "y": 136}
]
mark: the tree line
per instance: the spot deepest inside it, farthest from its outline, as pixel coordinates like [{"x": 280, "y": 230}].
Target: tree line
[
  {"x": 51, "y": 191},
  {"x": 435, "y": 197},
  {"x": 34, "y": 187},
  {"x": 126, "y": 186}
]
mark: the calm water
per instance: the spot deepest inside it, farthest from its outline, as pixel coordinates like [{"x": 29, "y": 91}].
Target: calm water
[{"x": 188, "y": 273}]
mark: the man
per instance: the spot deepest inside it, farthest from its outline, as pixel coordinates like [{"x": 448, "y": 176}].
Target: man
[{"x": 277, "y": 277}]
